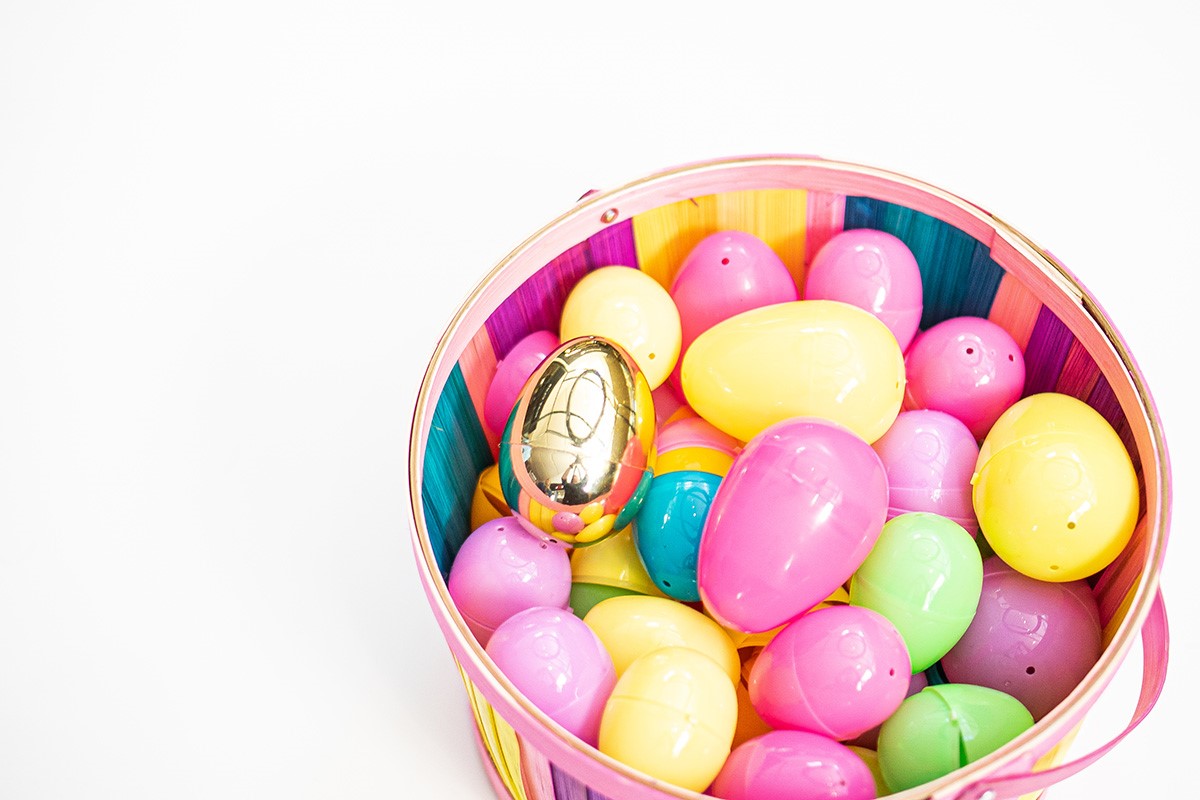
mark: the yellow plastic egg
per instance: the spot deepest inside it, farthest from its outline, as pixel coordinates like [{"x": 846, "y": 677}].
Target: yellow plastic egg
[
  {"x": 626, "y": 306},
  {"x": 671, "y": 715},
  {"x": 1054, "y": 489},
  {"x": 633, "y": 625},
  {"x": 613, "y": 562},
  {"x": 808, "y": 358},
  {"x": 488, "y": 502}
]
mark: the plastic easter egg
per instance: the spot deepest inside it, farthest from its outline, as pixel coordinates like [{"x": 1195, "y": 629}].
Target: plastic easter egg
[
  {"x": 694, "y": 444},
  {"x": 628, "y": 307},
  {"x": 872, "y": 270},
  {"x": 930, "y": 457},
  {"x": 794, "y": 765},
  {"x": 925, "y": 575},
  {"x": 943, "y": 728},
  {"x": 669, "y": 405},
  {"x": 797, "y": 514},
  {"x": 502, "y": 569},
  {"x": 742, "y": 639},
  {"x": 577, "y": 454},
  {"x": 585, "y": 596},
  {"x": 512, "y": 371},
  {"x": 969, "y": 367},
  {"x": 1032, "y": 639},
  {"x": 870, "y": 739},
  {"x": 838, "y": 672},
  {"x": 613, "y": 562},
  {"x": 871, "y": 759},
  {"x": 668, "y": 526},
  {"x": 487, "y": 502},
  {"x": 634, "y": 625},
  {"x": 815, "y": 358},
  {"x": 671, "y": 715},
  {"x": 1055, "y": 490},
  {"x": 726, "y": 273},
  {"x": 557, "y": 662}
]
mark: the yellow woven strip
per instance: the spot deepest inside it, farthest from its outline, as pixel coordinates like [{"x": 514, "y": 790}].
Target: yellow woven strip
[
  {"x": 510, "y": 749},
  {"x": 665, "y": 235},
  {"x": 777, "y": 216},
  {"x": 486, "y": 720}
]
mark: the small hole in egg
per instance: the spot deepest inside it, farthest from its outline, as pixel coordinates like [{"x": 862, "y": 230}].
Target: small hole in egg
[
  {"x": 652, "y": 356},
  {"x": 1010, "y": 357},
  {"x": 1030, "y": 670},
  {"x": 500, "y": 528},
  {"x": 892, "y": 672},
  {"x": 970, "y": 350},
  {"x": 725, "y": 261},
  {"x": 1071, "y": 526},
  {"x": 1054, "y": 566},
  {"x": 667, "y": 584}
]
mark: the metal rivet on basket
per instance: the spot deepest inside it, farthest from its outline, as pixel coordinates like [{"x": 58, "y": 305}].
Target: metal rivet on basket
[{"x": 608, "y": 216}]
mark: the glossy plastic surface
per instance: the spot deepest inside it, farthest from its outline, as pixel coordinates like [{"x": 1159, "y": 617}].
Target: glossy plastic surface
[
  {"x": 692, "y": 443},
  {"x": 626, "y": 306},
  {"x": 726, "y": 273},
  {"x": 502, "y": 569},
  {"x": 871, "y": 759},
  {"x": 668, "y": 526},
  {"x": 671, "y": 715},
  {"x": 797, "y": 514},
  {"x": 585, "y": 596},
  {"x": 1055, "y": 491},
  {"x": 1032, "y": 639},
  {"x": 634, "y": 625},
  {"x": 930, "y": 457},
  {"x": 873, "y": 270},
  {"x": 613, "y": 562},
  {"x": 559, "y": 664},
  {"x": 577, "y": 454},
  {"x": 794, "y": 765},
  {"x": 968, "y": 367},
  {"x": 925, "y": 575},
  {"x": 870, "y": 739},
  {"x": 946, "y": 727},
  {"x": 817, "y": 358},
  {"x": 838, "y": 672},
  {"x": 512, "y": 372},
  {"x": 488, "y": 503}
]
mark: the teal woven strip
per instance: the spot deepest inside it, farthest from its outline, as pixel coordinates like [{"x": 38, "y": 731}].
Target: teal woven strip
[
  {"x": 455, "y": 454},
  {"x": 958, "y": 273}
]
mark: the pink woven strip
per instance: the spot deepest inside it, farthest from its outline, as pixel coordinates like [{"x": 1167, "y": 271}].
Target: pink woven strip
[
  {"x": 1155, "y": 646},
  {"x": 826, "y": 215}
]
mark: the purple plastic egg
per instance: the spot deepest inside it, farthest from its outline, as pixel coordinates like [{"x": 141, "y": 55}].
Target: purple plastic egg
[
  {"x": 837, "y": 671},
  {"x": 872, "y": 270},
  {"x": 512, "y": 372},
  {"x": 930, "y": 457},
  {"x": 502, "y": 569},
  {"x": 559, "y": 664},
  {"x": 793, "y": 765},
  {"x": 726, "y": 273},
  {"x": 969, "y": 367},
  {"x": 797, "y": 513},
  {"x": 1032, "y": 639}
]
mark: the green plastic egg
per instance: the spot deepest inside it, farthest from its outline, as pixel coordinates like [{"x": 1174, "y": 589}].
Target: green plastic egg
[
  {"x": 925, "y": 575},
  {"x": 943, "y": 728}
]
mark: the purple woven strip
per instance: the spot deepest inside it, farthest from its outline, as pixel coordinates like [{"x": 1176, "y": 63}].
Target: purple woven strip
[
  {"x": 1046, "y": 352},
  {"x": 537, "y": 304},
  {"x": 567, "y": 787},
  {"x": 613, "y": 246},
  {"x": 594, "y": 795}
]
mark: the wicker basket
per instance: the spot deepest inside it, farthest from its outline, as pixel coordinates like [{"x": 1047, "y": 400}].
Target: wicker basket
[{"x": 971, "y": 263}]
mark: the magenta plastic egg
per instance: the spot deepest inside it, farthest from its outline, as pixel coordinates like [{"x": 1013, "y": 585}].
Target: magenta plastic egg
[
  {"x": 872, "y": 270},
  {"x": 930, "y": 457},
  {"x": 837, "y": 671},
  {"x": 725, "y": 274},
  {"x": 1032, "y": 639},
  {"x": 798, "y": 512},
  {"x": 512, "y": 372},
  {"x": 870, "y": 739},
  {"x": 793, "y": 765},
  {"x": 968, "y": 367},
  {"x": 502, "y": 569},
  {"x": 559, "y": 664}
]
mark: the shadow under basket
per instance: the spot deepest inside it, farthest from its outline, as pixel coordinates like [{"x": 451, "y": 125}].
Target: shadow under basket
[{"x": 971, "y": 264}]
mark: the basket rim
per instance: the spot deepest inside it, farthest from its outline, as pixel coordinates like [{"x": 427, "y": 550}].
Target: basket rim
[{"x": 1055, "y": 725}]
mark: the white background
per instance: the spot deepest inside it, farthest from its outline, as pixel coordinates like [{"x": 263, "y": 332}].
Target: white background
[{"x": 231, "y": 233}]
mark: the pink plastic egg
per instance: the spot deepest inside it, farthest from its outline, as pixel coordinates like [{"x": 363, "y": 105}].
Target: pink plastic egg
[
  {"x": 793, "y": 765},
  {"x": 511, "y": 373},
  {"x": 725, "y": 274},
  {"x": 870, "y": 739},
  {"x": 930, "y": 457},
  {"x": 501, "y": 569},
  {"x": 1032, "y": 639},
  {"x": 798, "y": 512},
  {"x": 969, "y": 367},
  {"x": 838, "y": 671},
  {"x": 559, "y": 664},
  {"x": 872, "y": 270}
]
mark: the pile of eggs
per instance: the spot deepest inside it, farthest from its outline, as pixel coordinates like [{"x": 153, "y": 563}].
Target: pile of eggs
[{"x": 763, "y": 546}]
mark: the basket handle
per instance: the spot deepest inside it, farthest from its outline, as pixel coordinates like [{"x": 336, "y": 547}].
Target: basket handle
[{"x": 1155, "y": 641}]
